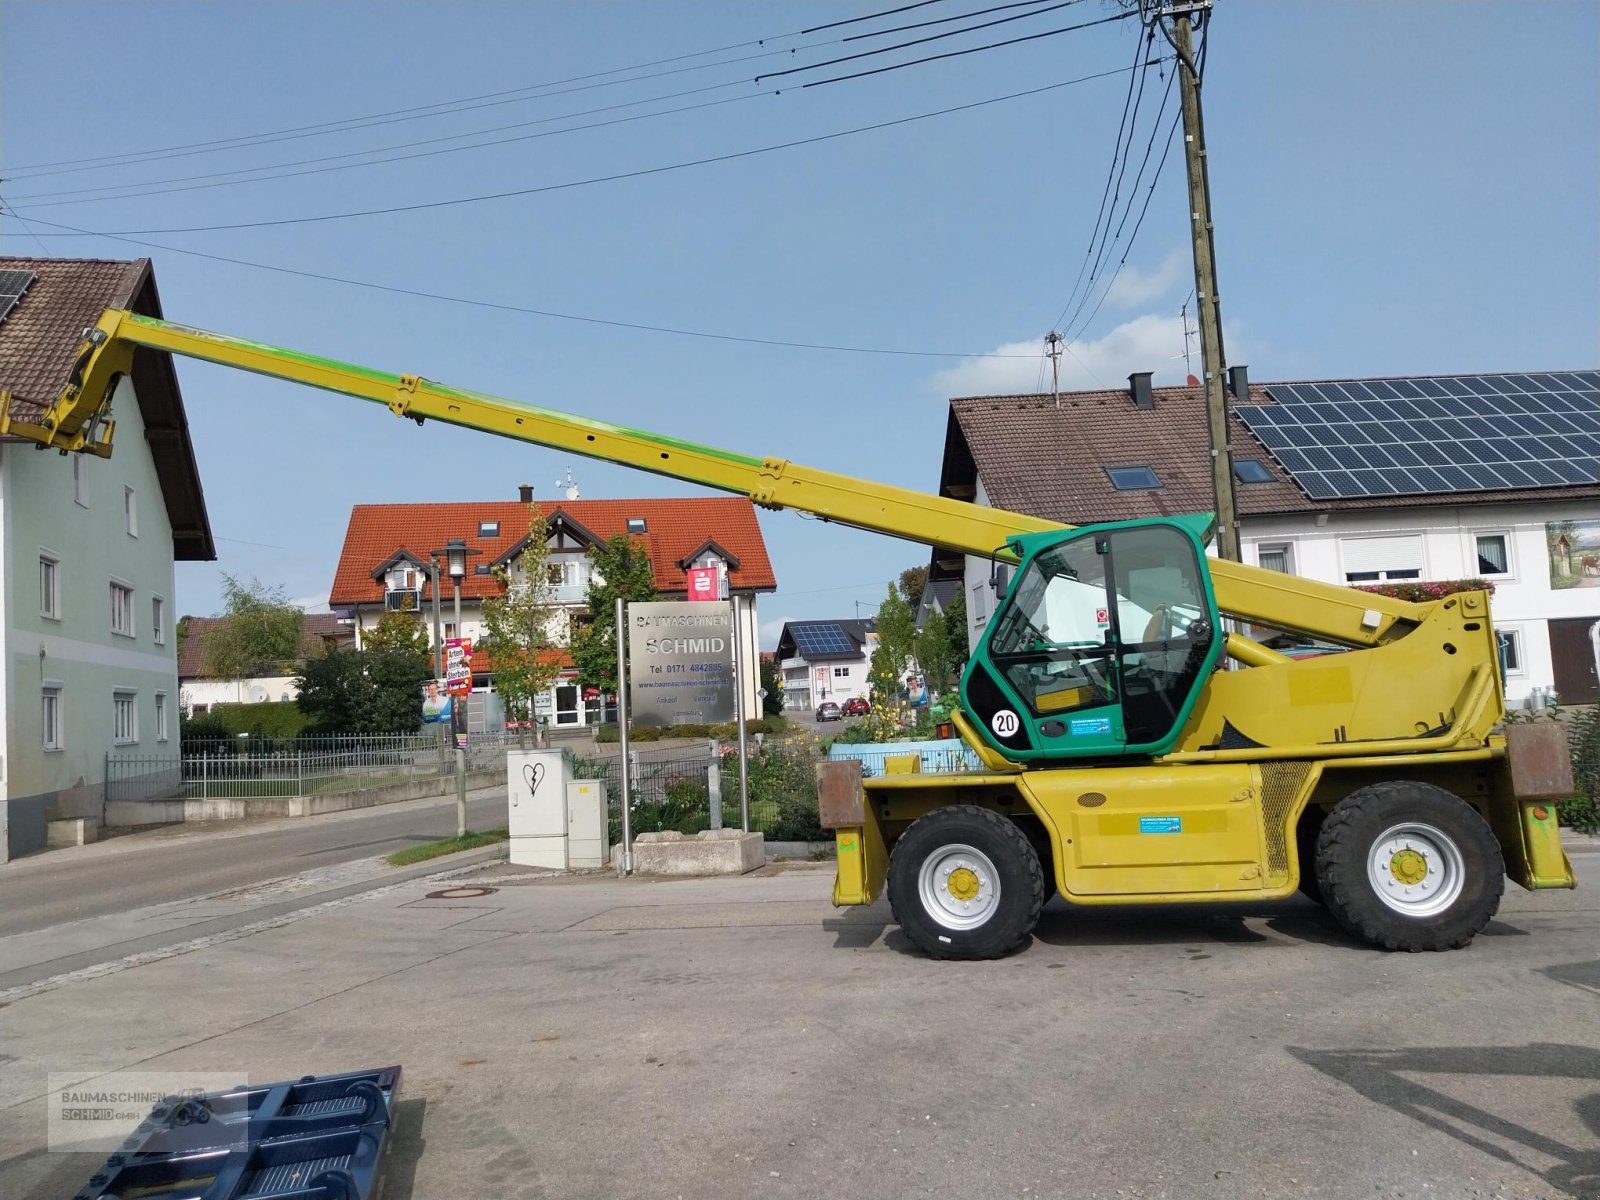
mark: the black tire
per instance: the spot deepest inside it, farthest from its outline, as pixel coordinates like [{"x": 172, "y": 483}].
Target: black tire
[
  {"x": 1440, "y": 834},
  {"x": 1311, "y": 822},
  {"x": 995, "y": 854}
]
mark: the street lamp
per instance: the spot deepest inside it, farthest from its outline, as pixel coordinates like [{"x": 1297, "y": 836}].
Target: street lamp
[{"x": 455, "y": 553}]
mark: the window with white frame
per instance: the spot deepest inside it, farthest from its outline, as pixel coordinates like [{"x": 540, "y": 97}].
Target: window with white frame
[
  {"x": 124, "y": 718},
  {"x": 1379, "y": 559},
  {"x": 158, "y": 619},
  {"x": 121, "y": 609},
  {"x": 161, "y": 716},
  {"x": 130, "y": 510},
  {"x": 1510, "y": 642},
  {"x": 49, "y": 586},
  {"x": 841, "y": 672},
  {"x": 1276, "y": 556},
  {"x": 54, "y": 734},
  {"x": 80, "y": 483},
  {"x": 1493, "y": 553}
]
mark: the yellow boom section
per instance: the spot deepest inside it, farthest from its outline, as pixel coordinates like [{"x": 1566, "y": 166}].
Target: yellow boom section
[{"x": 79, "y": 421}]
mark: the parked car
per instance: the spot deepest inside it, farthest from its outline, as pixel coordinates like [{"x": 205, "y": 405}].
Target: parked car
[
  {"x": 829, "y": 711},
  {"x": 856, "y": 706}
]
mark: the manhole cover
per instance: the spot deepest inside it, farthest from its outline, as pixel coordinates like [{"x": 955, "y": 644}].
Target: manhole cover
[{"x": 461, "y": 893}]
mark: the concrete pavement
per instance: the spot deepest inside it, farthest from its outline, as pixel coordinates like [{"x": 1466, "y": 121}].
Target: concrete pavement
[{"x": 595, "y": 1037}]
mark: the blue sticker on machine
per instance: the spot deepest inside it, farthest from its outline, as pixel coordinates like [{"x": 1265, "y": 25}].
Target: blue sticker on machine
[
  {"x": 1083, "y": 725},
  {"x": 1160, "y": 824}
]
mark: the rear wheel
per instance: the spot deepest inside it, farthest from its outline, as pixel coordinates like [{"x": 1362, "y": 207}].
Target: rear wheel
[
  {"x": 1408, "y": 866},
  {"x": 1311, "y": 822},
  {"x": 964, "y": 882}
]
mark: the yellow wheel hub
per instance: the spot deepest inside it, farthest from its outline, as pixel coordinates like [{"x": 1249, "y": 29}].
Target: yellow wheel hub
[
  {"x": 963, "y": 884},
  {"x": 1408, "y": 867}
]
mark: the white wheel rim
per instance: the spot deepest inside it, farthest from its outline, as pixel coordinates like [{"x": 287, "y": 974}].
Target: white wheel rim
[
  {"x": 1416, "y": 869},
  {"x": 959, "y": 886}
]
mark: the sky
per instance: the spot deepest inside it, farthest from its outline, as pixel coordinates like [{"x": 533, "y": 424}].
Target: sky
[{"x": 1397, "y": 188}]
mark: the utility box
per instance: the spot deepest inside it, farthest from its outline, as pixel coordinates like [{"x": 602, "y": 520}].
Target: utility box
[
  {"x": 536, "y": 798},
  {"x": 588, "y": 830}
]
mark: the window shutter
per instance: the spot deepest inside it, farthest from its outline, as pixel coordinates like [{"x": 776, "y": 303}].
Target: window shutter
[{"x": 1382, "y": 553}]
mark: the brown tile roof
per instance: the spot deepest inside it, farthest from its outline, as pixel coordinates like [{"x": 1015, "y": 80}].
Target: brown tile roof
[
  {"x": 319, "y": 631},
  {"x": 674, "y": 529},
  {"x": 1047, "y": 462},
  {"x": 39, "y": 343}
]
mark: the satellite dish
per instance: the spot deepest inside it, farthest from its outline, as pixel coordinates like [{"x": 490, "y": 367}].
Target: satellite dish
[
  {"x": 1193, "y": 382},
  {"x": 257, "y": 694}
]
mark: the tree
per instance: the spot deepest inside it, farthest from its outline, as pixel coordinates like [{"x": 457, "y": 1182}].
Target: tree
[
  {"x": 400, "y": 631},
  {"x": 517, "y": 639},
  {"x": 955, "y": 622},
  {"x": 896, "y": 645},
  {"x": 912, "y": 581},
  {"x": 933, "y": 651},
  {"x": 772, "y": 703},
  {"x": 260, "y": 635},
  {"x": 363, "y": 691},
  {"x": 621, "y": 567}
]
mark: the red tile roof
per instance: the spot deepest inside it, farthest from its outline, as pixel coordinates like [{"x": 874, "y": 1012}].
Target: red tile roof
[
  {"x": 39, "y": 343},
  {"x": 674, "y": 529},
  {"x": 319, "y": 630}
]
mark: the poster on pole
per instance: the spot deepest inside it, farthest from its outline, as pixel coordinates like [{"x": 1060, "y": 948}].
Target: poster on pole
[
  {"x": 435, "y": 703},
  {"x": 680, "y": 662},
  {"x": 458, "y": 666}
]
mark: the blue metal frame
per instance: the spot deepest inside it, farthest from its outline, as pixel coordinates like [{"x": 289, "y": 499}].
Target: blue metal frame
[{"x": 315, "y": 1138}]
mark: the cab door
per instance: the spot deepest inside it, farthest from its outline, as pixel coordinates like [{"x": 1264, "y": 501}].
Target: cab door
[{"x": 1100, "y": 647}]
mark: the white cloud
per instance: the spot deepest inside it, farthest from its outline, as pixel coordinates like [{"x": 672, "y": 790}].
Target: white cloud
[
  {"x": 1147, "y": 343},
  {"x": 1133, "y": 286}
]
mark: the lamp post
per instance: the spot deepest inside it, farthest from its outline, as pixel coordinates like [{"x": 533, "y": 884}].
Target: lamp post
[{"x": 455, "y": 553}]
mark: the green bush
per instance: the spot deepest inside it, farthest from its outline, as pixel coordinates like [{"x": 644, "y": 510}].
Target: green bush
[
  {"x": 647, "y": 733},
  {"x": 854, "y": 734},
  {"x": 608, "y": 733},
  {"x": 783, "y": 781},
  {"x": 1582, "y": 812},
  {"x": 273, "y": 719}
]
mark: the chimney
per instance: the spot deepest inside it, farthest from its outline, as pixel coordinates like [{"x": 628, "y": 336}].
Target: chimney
[
  {"x": 1239, "y": 384},
  {"x": 525, "y": 493},
  {"x": 1139, "y": 387}
]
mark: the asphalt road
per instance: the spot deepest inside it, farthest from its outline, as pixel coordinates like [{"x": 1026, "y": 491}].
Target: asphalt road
[{"x": 179, "y": 862}]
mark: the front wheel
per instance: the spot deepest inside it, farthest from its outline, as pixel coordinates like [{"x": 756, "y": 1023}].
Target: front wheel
[
  {"x": 964, "y": 882},
  {"x": 1408, "y": 866}
]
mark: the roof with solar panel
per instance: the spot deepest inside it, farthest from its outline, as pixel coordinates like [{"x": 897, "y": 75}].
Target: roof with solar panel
[
  {"x": 818, "y": 641},
  {"x": 1300, "y": 446}
]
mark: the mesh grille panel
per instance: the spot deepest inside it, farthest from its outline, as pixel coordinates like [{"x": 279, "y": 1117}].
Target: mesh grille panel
[{"x": 1281, "y": 784}]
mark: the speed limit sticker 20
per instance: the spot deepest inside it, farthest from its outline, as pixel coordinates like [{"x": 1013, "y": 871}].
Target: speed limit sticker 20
[{"x": 1005, "y": 723}]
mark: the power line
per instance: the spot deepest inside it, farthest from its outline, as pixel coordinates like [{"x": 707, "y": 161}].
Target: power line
[
  {"x": 621, "y": 175},
  {"x": 932, "y": 37},
  {"x": 856, "y": 37},
  {"x": 279, "y": 269},
  {"x": 888, "y": 12}
]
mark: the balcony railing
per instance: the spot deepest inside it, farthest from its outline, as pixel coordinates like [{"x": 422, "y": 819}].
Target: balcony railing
[{"x": 403, "y": 599}]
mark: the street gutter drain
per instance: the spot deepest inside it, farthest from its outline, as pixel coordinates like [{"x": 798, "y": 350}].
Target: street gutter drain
[{"x": 461, "y": 893}]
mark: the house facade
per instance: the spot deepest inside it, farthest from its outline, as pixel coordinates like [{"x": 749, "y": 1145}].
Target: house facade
[
  {"x": 825, "y": 660},
  {"x": 87, "y": 547},
  {"x": 385, "y": 566},
  {"x": 199, "y": 687},
  {"x": 1425, "y": 478}
]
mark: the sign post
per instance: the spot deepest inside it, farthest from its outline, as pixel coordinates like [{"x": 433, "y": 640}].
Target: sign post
[
  {"x": 458, "y": 683},
  {"x": 626, "y": 861}
]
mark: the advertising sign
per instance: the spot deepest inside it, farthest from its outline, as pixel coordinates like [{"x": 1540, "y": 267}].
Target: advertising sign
[
  {"x": 680, "y": 662},
  {"x": 704, "y": 583},
  {"x": 458, "y": 666},
  {"x": 435, "y": 703}
]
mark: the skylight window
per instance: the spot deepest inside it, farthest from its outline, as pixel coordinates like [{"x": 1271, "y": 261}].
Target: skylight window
[
  {"x": 636, "y": 525},
  {"x": 1251, "y": 470},
  {"x": 488, "y": 528},
  {"x": 1133, "y": 479}
]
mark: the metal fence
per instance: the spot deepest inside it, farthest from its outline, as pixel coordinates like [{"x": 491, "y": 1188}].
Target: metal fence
[
  {"x": 242, "y": 768},
  {"x": 672, "y": 789},
  {"x": 936, "y": 758}
]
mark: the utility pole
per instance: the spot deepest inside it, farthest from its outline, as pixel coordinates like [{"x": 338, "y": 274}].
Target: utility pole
[
  {"x": 1052, "y": 347},
  {"x": 1207, "y": 307}
]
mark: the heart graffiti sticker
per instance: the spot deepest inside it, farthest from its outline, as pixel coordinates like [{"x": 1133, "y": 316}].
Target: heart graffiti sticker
[{"x": 533, "y": 773}]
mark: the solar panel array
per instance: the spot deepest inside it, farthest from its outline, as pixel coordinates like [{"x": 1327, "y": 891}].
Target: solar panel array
[
  {"x": 1413, "y": 437},
  {"x": 823, "y": 638},
  {"x": 12, "y": 285}
]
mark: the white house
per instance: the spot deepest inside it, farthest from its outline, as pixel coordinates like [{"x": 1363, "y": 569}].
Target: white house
[
  {"x": 825, "y": 660},
  {"x": 384, "y": 566},
  {"x": 200, "y": 687},
  {"x": 87, "y": 547},
  {"x": 1425, "y": 478}
]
